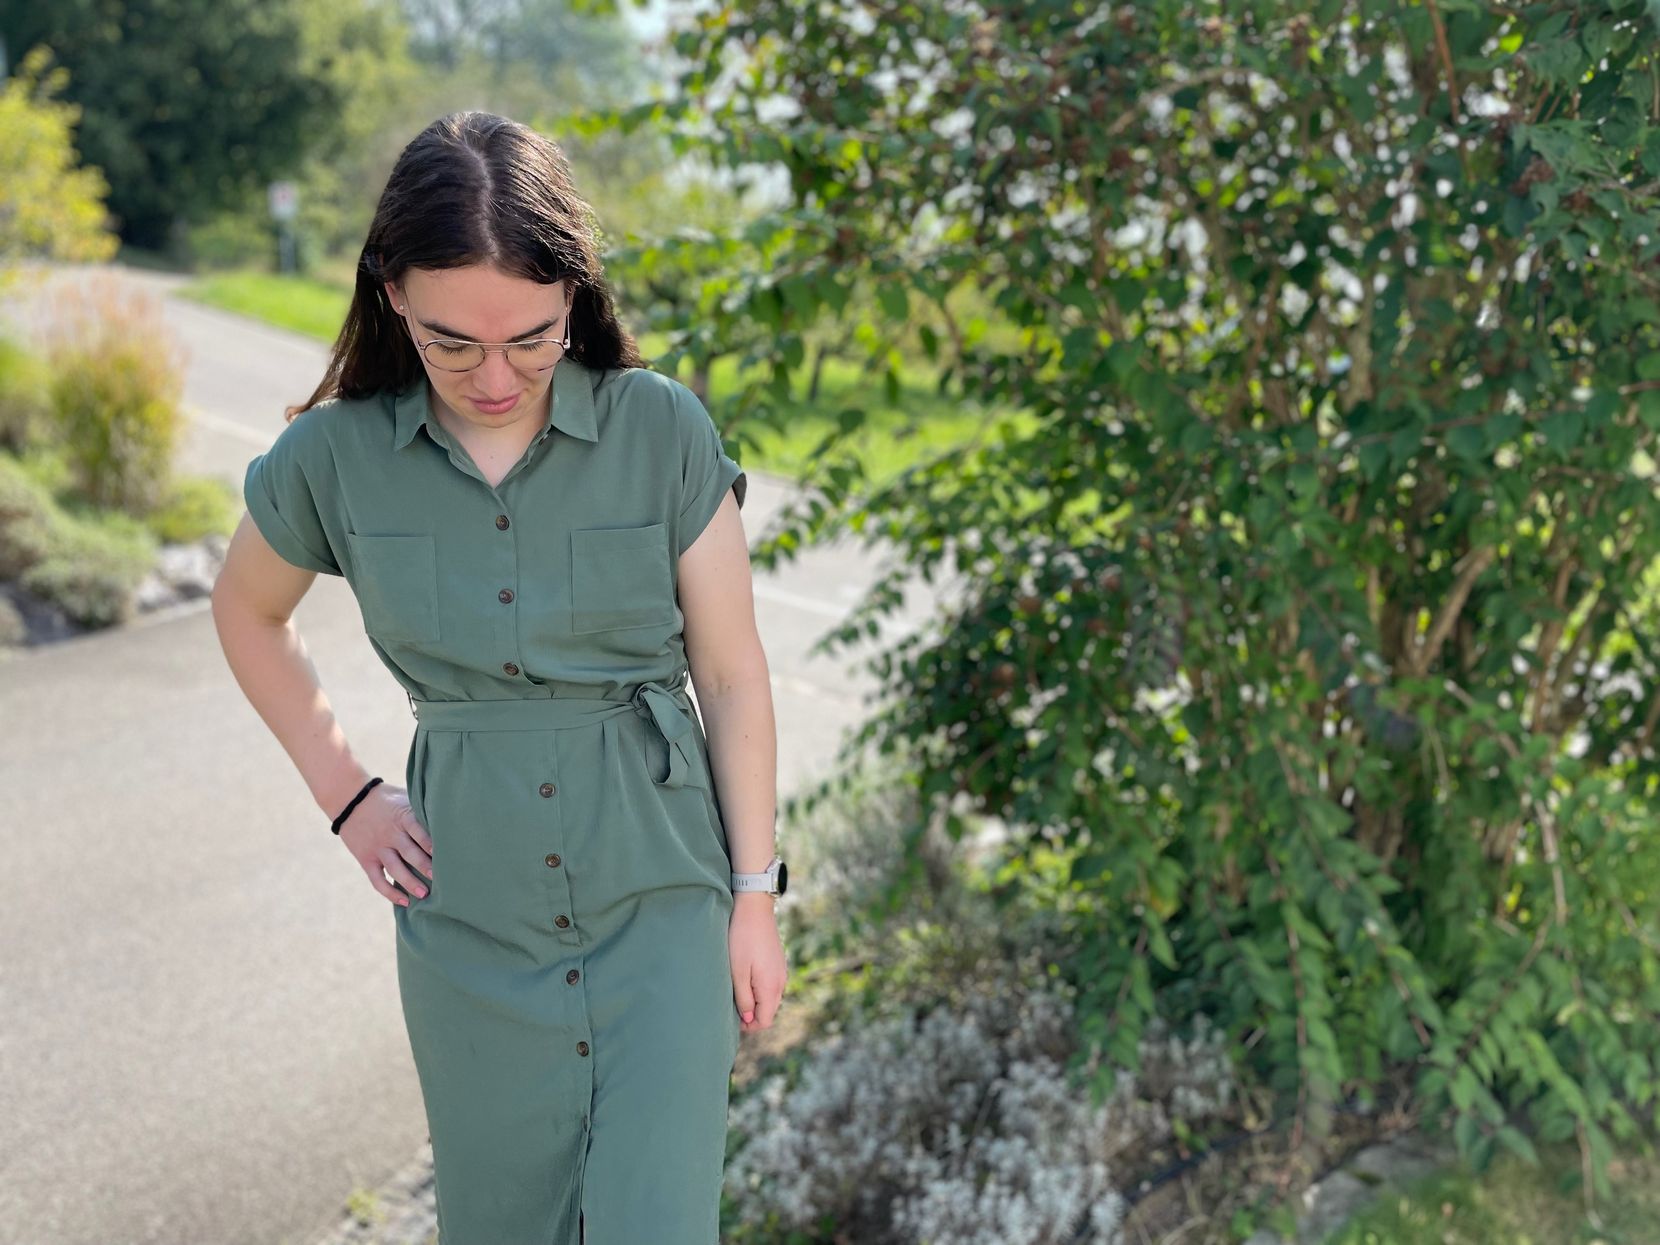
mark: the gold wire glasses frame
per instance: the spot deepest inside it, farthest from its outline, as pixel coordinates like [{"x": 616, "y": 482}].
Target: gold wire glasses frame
[{"x": 451, "y": 355}]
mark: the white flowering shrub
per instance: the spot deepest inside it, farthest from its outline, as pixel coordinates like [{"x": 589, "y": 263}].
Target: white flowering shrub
[{"x": 956, "y": 1125}]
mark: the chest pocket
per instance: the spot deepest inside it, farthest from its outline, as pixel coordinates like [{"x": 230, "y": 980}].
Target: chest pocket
[
  {"x": 620, "y": 578},
  {"x": 396, "y": 584}
]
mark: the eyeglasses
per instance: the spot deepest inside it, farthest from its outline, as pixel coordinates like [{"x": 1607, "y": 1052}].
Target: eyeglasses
[{"x": 453, "y": 355}]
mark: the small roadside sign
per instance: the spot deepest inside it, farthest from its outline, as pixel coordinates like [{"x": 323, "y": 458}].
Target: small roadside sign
[{"x": 285, "y": 200}]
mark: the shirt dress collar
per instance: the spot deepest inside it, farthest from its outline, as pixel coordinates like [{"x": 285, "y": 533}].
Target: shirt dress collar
[{"x": 570, "y": 406}]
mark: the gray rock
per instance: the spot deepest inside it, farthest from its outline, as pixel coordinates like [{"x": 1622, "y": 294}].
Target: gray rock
[
  {"x": 1330, "y": 1203},
  {"x": 42, "y": 621},
  {"x": 182, "y": 572},
  {"x": 13, "y": 630},
  {"x": 154, "y": 593}
]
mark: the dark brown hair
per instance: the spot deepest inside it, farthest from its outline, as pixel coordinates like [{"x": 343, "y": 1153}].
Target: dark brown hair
[{"x": 473, "y": 188}]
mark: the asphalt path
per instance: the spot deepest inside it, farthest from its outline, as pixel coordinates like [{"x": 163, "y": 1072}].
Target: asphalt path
[{"x": 200, "y": 1033}]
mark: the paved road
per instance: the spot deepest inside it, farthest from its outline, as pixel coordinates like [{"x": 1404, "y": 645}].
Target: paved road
[{"x": 200, "y": 1035}]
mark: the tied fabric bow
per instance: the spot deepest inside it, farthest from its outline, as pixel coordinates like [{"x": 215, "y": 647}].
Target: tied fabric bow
[{"x": 674, "y": 725}]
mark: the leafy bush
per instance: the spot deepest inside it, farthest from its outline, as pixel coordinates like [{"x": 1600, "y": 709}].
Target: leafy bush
[
  {"x": 87, "y": 565},
  {"x": 890, "y": 908},
  {"x": 230, "y": 239},
  {"x": 27, "y": 513},
  {"x": 23, "y": 396},
  {"x": 90, "y": 568},
  {"x": 195, "y": 506},
  {"x": 850, "y": 850},
  {"x": 1309, "y": 621},
  {"x": 115, "y": 390}
]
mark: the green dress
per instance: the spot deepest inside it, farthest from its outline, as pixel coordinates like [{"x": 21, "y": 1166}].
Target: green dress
[{"x": 565, "y": 983}]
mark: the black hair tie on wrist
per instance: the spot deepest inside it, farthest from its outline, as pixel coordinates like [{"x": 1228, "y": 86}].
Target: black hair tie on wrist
[{"x": 356, "y": 800}]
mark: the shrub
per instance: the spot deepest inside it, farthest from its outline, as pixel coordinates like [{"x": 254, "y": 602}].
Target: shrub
[
  {"x": 90, "y": 569},
  {"x": 1309, "y": 615},
  {"x": 195, "y": 506},
  {"x": 23, "y": 396},
  {"x": 87, "y": 566},
  {"x": 231, "y": 239},
  {"x": 27, "y": 512},
  {"x": 853, "y": 944},
  {"x": 114, "y": 393},
  {"x": 958, "y": 1123},
  {"x": 850, "y": 850}
]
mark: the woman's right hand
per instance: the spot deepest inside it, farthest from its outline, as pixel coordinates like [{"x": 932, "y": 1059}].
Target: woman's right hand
[{"x": 385, "y": 838}]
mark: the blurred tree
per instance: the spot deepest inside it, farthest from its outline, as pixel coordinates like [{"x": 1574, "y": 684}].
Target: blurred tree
[
  {"x": 597, "y": 52},
  {"x": 50, "y": 206},
  {"x": 362, "y": 47},
  {"x": 398, "y": 64},
  {"x": 187, "y": 104}
]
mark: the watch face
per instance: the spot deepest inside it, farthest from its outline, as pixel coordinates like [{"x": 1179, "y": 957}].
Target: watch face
[{"x": 783, "y": 877}]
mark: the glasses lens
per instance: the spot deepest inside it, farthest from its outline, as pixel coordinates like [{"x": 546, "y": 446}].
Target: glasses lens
[
  {"x": 534, "y": 355},
  {"x": 454, "y": 356}
]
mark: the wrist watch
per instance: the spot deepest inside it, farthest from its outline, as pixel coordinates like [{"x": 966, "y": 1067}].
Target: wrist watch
[{"x": 772, "y": 880}]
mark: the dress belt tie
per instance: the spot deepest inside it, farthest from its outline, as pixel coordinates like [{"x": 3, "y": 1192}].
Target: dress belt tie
[
  {"x": 674, "y": 724},
  {"x": 665, "y": 704}
]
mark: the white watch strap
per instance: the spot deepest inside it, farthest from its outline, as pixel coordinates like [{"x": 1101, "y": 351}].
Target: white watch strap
[{"x": 755, "y": 881}]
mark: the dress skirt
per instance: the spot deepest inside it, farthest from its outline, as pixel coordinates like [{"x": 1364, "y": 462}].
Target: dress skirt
[{"x": 566, "y": 982}]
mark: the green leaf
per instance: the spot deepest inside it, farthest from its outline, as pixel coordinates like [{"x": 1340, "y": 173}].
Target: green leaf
[
  {"x": 1466, "y": 1132},
  {"x": 1468, "y": 441},
  {"x": 1158, "y": 942},
  {"x": 1518, "y": 1143},
  {"x": 891, "y": 294},
  {"x": 1563, "y": 428}
]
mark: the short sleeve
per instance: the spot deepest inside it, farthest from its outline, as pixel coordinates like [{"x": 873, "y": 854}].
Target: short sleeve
[
  {"x": 706, "y": 470},
  {"x": 285, "y": 488}
]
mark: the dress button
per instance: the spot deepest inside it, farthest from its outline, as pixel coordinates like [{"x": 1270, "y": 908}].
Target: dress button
[
  {"x": 505, "y": 595},
  {"x": 501, "y": 521},
  {"x": 582, "y": 1048},
  {"x": 562, "y": 921},
  {"x": 509, "y": 668},
  {"x": 547, "y": 789},
  {"x": 571, "y": 976},
  {"x": 552, "y": 859}
]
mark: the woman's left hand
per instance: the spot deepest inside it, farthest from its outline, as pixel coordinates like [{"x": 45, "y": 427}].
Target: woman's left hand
[{"x": 759, "y": 970}]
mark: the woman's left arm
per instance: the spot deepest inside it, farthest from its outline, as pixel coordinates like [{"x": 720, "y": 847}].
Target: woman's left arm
[{"x": 734, "y": 693}]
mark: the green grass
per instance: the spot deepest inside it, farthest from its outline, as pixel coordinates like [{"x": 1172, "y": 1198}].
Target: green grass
[
  {"x": 1514, "y": 1204},
  {"x": 305, "y": 305},
  {"x": 894, "y": 436}
]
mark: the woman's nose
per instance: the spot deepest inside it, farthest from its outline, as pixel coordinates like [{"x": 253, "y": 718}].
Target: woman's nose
[{"x": 497, "y": 377}]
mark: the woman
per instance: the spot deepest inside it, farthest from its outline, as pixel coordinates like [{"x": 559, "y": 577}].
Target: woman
[{"x": 545, "y": 544}]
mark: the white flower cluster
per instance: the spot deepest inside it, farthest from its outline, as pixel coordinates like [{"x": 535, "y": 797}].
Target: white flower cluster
[{"x": 957, "y": 1125}]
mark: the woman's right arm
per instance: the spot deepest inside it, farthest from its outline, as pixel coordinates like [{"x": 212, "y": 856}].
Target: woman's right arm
[{"x": 254, "y": 598}]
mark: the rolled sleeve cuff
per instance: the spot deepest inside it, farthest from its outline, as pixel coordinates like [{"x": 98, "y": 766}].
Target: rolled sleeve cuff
[
  {"x": 278, "y": 532},
  {"x": 726, "y": 474}
]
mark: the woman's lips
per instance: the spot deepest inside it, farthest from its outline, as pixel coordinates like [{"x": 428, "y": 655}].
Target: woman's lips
[{"x": 495, "y": 408}]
